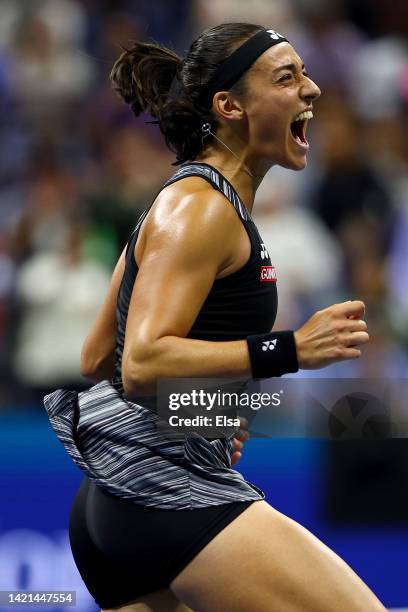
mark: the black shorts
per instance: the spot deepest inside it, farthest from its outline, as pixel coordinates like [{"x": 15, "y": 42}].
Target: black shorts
[{"x": 124, "y": 551}]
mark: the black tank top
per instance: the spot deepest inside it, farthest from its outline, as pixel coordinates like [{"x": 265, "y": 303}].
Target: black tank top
[{"x": 242, "y": 303}]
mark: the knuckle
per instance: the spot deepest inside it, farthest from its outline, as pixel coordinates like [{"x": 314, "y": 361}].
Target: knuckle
[
  {"x": 344, "y": 353},
  {"x": 363, "y": 337},
  {"x": 340, "y": 340},
  {"x": 330, "y": 316}
]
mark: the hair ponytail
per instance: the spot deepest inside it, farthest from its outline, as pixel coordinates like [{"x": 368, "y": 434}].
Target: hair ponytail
[{"x": 142, "y": 76}]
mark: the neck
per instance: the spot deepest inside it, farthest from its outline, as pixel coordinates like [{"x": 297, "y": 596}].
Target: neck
[{"x": 242, "y": 178}]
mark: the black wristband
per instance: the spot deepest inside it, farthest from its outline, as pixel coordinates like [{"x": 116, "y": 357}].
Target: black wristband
[{"x": 272, "y": 354}]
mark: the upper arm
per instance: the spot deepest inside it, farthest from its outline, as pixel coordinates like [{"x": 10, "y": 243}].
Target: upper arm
[
  {"x": 186, "y": 244},
  {"x": 99, "y": 346}
]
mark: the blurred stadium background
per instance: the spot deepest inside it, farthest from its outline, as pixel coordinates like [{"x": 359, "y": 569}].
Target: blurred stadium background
[{"x": 76, "y": 170}]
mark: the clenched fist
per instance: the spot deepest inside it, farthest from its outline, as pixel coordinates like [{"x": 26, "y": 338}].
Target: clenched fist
[{"x": 330, "y": 335}]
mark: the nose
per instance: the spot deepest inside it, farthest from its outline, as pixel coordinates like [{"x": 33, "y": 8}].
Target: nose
[{"x": 309, "y": 91}]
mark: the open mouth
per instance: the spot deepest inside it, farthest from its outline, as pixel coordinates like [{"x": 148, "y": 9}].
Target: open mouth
[{"x": 298, "y": 128}]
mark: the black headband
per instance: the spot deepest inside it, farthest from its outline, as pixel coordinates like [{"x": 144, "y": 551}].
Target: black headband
[{"x": 238, "y": 62}]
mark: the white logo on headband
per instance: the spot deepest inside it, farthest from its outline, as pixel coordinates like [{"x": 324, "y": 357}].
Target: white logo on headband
[{"x": 275, "y": 35}]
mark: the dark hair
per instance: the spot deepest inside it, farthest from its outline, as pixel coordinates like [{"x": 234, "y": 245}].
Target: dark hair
[{"x": 144, "y": 77}]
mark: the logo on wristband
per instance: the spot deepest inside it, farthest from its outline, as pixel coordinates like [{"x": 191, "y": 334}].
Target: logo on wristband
[
  {"x": 269, "y": 345},
  {"x": 268, "y": 274}
]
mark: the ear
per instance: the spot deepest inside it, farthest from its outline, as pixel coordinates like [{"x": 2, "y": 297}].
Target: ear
[{"x": 228, "y": 106}]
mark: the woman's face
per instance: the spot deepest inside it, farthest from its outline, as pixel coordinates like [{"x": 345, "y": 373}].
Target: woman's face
[{"x": 278, "y": 91}]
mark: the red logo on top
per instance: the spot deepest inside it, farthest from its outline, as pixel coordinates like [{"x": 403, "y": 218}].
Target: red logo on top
[{"x": 268, "y": 274}]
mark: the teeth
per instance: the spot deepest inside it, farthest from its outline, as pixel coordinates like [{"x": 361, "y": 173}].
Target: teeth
[{"x": 304, "y": 115}]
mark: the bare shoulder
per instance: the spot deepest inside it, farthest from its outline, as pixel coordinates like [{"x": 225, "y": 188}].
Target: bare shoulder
[
  {"x": 190, "y": 210},
  {"x": 194, "y": 198}
]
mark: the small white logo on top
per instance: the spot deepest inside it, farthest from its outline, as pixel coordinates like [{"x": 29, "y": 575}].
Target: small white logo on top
[
  {"x": 269, "y": 345},
  {"x": 264, "y": 252}
]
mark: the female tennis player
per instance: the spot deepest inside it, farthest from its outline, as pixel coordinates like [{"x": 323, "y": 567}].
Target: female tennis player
[{"x": 168, "y": 525}]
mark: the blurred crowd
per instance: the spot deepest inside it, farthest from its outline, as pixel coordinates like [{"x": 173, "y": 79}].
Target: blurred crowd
[{"x": 77, "y": 168}]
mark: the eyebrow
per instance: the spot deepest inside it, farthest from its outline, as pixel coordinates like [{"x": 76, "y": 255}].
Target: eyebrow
[{"x": 288, "y": 67}]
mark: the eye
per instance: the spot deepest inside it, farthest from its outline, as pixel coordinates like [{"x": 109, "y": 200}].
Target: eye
[
  {"x": 306, "y": 74},
  {"x": 286, "y": 77}
]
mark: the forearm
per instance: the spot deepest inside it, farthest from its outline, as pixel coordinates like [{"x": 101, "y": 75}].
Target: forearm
[
  {"x": 175, "y": 357},
  {"x": 258, "y": 356}
]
